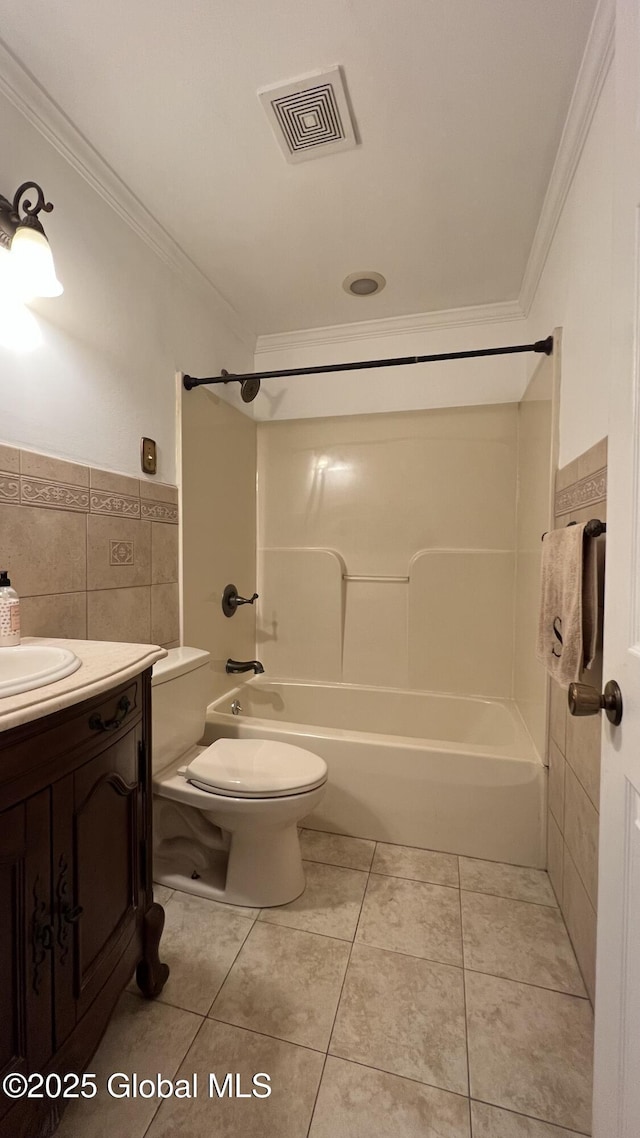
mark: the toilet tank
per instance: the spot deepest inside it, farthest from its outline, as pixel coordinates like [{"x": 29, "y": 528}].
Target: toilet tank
[{"x": 181, "y": 689}]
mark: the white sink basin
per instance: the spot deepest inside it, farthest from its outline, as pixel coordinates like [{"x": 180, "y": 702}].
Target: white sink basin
[{"x": 30, "y": 666}]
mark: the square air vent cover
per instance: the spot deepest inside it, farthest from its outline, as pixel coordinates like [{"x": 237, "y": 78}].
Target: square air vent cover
[{"x": 310, "y": 116}]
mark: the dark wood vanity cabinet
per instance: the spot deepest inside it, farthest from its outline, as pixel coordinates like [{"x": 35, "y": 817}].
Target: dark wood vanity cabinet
[{"x": 76, "y": 908}]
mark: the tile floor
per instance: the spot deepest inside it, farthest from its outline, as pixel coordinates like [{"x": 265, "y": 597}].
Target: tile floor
[{"x": 406, "y": 994}]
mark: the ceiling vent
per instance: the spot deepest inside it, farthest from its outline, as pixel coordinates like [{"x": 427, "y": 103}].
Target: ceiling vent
[{"x": 310, "y": 116}]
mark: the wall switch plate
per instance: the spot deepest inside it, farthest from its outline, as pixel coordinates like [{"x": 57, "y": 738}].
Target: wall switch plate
[{"x": 148, "y": 459}]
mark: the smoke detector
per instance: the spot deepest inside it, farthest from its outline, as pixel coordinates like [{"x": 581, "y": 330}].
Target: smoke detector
[{"x": 310, "y": 116}]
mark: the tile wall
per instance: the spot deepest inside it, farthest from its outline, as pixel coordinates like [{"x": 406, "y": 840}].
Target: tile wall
[
  {"x": 92, "y": 554},
  {"x": 574, "y": 743}
]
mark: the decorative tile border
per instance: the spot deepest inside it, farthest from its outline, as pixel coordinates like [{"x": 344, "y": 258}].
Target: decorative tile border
[
  {"x": 47, "y": 488},
  {"x": 53, "y": 495},
  {"x": 585, "y": 492},
  {"x": 9, "y": 488},
  {"x": 121, "y": 553},
  {"x": 118, "y": 505},
  {"x": 160, "y": 511}
]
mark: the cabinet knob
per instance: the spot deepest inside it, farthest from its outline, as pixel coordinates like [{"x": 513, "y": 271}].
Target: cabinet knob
[{"x": 586, "y": 700}]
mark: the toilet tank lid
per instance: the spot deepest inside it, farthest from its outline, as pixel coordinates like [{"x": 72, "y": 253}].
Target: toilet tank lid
[{"x": 177, "y": 662}]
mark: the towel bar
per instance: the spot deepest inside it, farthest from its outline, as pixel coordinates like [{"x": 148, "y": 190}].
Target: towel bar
[{"x": 593, "y": 528}]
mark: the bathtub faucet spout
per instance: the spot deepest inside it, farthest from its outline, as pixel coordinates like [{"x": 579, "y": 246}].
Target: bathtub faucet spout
[{"x": 234, "y": 666}]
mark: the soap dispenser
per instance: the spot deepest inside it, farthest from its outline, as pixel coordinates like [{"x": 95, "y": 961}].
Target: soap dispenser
[{"x": 9, "y": 613}]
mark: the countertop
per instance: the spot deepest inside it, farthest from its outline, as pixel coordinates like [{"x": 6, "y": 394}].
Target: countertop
[{"x": 104, "y": 665}]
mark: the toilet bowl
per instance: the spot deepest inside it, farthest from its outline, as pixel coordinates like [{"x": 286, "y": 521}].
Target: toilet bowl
[{"x": 225, "y": 816}]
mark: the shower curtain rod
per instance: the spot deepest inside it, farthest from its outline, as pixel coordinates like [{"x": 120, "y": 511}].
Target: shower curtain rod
[{"x": 253, "y": 378}]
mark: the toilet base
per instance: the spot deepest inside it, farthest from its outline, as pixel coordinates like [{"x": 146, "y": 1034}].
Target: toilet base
[
  {"x": 237, "y": 851},
  {"x": 261, "y": 875}
]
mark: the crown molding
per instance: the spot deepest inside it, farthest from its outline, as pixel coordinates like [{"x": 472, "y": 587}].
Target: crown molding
[
  {"x": 593, "y": 71},
  {"x": 499, "y": 313},
  {"x": 32, "y": 101}
]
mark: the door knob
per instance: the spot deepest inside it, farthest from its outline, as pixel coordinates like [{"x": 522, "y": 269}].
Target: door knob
[{"x": 585, "y": 700}]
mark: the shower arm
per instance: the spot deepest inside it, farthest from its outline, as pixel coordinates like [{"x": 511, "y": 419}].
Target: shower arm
[{"x": 250, "y": 381}]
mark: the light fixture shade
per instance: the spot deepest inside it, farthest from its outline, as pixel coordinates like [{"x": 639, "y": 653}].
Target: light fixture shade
[{"x": 33, "y": 264}]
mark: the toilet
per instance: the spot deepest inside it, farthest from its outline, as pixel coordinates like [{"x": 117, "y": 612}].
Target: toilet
[{"x": 225, "y": 816}]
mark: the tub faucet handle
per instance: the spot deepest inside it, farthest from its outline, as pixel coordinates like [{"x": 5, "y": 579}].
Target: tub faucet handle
[{"x": 231, "y": 600}]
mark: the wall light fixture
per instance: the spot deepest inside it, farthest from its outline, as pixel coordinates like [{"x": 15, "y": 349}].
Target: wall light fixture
[{"x": 28, "y": 264}]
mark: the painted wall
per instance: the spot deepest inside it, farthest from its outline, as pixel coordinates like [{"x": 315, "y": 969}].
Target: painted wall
[
  {"x": 575, "y": 288},
  {"x": 105, "y": 373},
  {"x": 218, "y": 528},
  {"x": 417, "y": 512}
]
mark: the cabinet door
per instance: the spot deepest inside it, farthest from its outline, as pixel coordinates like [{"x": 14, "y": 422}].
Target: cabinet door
[
  {"x": 25, "y": 938},
  {"x": 97, "y": 873}
]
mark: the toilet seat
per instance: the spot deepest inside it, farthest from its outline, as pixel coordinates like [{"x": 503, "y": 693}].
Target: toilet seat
[{"x": 255, "y": 768}]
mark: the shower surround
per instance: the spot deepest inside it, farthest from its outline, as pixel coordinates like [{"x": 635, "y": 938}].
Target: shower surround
[{"x": 403, "y": 550}]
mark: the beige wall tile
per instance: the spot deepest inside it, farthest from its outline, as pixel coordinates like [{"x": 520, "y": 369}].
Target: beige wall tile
[
  {"x": 158, "y": 491},
  {"x": 375, "y": 634},
  {"x": 457, "y": 644},
  {"x": 581, "y": 834},
  {"x": 588, "y": 492},
  {"x": 300, "y": 615},
  {"x": 583, "y": 746},
  {"x": 118, "y": 552},
  {"x": 110, "y": 502},
  {"x": 9, "y": 459},
  {"x": 9, "y": 488},
  {"x": 62, "y": 615},
  {"x": 114, "y": 483},
  {"x": 580, "y": 916},
  {"x": 556, "y": 783},
  {"x": 567, "y": 475},
  {"x": 218, "y": 528},
  {"x": 165, "y": 613},
  {"x": 593, "y": 459},
  {"x": 164, "y": 553},
  {"x": 53, "y": 469},
  {"x": 555, "y": 856},
  {"x": 120, "y": 614},
  {"x": 53, "y": 495},
  {"x": 558, "y": 715},
  {"x": 44, "y": 550}
]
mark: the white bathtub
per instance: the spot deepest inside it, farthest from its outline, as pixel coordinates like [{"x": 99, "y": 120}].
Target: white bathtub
[{"x": 440, "y": 772}]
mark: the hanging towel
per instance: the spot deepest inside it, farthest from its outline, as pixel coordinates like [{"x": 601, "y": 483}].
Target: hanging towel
[{"x": 568, "y": 623}]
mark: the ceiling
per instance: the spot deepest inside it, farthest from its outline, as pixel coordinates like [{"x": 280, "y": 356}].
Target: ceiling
[{"x": 459, "y": 106}]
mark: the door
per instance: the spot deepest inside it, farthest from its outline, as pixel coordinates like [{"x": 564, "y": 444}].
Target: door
[
  {"x": 617, "y": 1056},
  {"x": 26, "y": 939}
]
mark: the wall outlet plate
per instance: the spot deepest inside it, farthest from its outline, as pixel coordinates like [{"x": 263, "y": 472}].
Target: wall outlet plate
[{"x": 148, "y": 458}]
